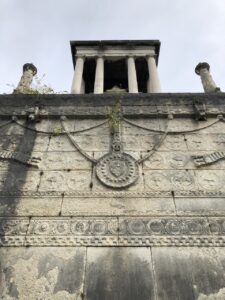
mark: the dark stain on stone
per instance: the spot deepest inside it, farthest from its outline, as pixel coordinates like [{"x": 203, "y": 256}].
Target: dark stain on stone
[
  {"x": 16, "y": 171},
  {"x": 11, "y": 286},
  {"x": 70, "y": 271},
  {"x": 119, "y": 275},
  {"x": 187, "y": 273},
  {"x": 208, "y": 275}
]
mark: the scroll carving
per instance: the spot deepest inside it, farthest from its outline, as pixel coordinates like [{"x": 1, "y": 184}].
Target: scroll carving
[
  {"x": 20, "y": 157},
  {"x": 203, "y": 160}
]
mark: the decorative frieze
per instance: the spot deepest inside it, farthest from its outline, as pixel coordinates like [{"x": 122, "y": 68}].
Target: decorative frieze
[{"x": 112, "y": 231}]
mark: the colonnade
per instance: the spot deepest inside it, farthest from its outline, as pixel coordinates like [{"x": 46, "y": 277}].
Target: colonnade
[{"x": 153, "y": 84}]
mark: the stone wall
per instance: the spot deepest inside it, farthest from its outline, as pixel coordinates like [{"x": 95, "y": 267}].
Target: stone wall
[{"x": 67, "y": 233}]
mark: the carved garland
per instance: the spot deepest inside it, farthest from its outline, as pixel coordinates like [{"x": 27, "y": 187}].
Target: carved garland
[{"x": 115, "y": 169}]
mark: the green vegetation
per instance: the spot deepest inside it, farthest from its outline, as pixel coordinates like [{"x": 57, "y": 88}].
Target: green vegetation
[{"x": 114, "y": 115}]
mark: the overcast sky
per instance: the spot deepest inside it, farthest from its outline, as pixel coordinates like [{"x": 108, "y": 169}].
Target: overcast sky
[{"x": 39, "y": 31}]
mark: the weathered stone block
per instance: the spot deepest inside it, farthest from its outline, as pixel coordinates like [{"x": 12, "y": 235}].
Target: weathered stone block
[
  {"x": 19, "y": 180},
  {"x": 10, "y": 142},
  {"x": 169, "y": 180},
  {"x": 169, "y": 160},
  {"x": 174, "y": 143},
  {"x": 117, "y": 206},
  {"x": 151, "y": 124},
  {"x": 213, "y": 180},
  {"x": 28, "y": 206},
  {"x": 42, "y": 273},
  {"x": 205, "y": 142},
  {"x": 41, "y": 143},
  {"x": 122, "y": 266},
  {"x": 65, "y": 180},
  {"x": 200, "y": 206},
  {"x": 195, "y": 271},
  {"x": 140, "y": 142},
  {"x": 63, "y": 161}
]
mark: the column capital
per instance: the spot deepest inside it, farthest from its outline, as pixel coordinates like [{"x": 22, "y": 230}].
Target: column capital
[
  {"x": 80, "y": 56},
  {"x": 31, "y": 67},
  {"x": 99, "y": 56},
  {"x": 131, "y": 56},
  {"x": 150, "y": 56},
  {"x": 200, "y": 66}
]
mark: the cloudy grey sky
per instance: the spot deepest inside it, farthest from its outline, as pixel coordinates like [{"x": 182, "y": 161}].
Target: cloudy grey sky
[{"x": 39, "y": 31}]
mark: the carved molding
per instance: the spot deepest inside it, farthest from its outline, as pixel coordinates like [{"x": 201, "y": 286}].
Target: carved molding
[
  {"x": 111, "y": 194},
  {"x": 112, "y": 232},
  {"x": 182, "y": 110},
  {"x": 154, "y": 241}
]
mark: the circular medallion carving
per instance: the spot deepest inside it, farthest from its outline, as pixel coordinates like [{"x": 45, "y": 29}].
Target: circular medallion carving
[
  {"x": 155, "y": 227},
  {"x": 99, "y": 227},
  {"x": 136, "y": 227},
  {"x": 117, "y": 170},
  {"x": 79, "y": 227}
]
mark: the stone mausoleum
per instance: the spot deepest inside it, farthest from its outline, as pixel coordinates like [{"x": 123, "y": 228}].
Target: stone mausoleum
[{"x": 117, "y": 190}]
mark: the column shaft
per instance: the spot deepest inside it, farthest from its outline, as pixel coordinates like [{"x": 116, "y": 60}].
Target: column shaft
[
  {"x": 82, "y": 91},
  {"x": 24, "y": 86},
  {"x": 153, "y": 85},
  {"x": 99, "y": 76},
  {"x": 132, "y": 75},
  {"x": 202, "y": 69},
  {"x": 78, "y": 76}
]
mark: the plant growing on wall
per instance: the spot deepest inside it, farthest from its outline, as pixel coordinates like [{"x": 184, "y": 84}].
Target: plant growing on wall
[
  {"x": 37, "y": 87},
  {"x": 114, "y": 115}
]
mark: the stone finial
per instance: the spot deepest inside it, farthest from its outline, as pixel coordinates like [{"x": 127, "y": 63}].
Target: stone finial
[
  {"x": 28, "y": 66},
  {"x": 24, "y": 85},
  {"x": 202, "y": 69}
]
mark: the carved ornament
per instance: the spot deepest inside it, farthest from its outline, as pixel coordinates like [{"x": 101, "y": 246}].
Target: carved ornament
[
  {"x": 191, "y": 232},
  {"x": 20, "y": 157}
]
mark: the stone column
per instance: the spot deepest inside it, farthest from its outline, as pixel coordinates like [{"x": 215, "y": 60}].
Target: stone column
[
  {"x": 202, "y": 69},
  {"x": 82, "y": 91},
  {"x": 153, "y": 85},
  {"x": 99, "y": 76},
  {"x": 24, "y": 85},
  {"x": 132, "y": 75},
  {"x": 78, "y": 76}
]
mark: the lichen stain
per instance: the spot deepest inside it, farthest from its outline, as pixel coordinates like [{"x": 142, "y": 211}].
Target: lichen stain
[
  {"x": 11, "y": 286},
  {"x": 217, "y": 296},
  {"x": 45, "y": 275},
  {"x": 68, "y": 278}
]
